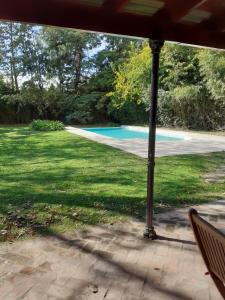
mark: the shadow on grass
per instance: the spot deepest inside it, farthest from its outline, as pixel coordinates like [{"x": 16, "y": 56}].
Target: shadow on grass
[{"x": 58, "y": 172}]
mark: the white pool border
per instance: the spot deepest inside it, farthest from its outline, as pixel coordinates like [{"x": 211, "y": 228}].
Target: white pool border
[
  {"x": 168, "y": 133},
  {"x": 191, "y": 143}
]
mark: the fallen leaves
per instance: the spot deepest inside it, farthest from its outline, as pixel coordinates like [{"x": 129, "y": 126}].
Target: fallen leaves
[{"x": 23, "y": 221}]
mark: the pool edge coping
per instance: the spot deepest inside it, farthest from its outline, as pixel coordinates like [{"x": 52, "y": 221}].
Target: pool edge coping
[{"x": 92, "y": 135}]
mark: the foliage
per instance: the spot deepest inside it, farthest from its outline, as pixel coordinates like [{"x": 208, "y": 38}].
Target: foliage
[
  {"x": 179, "y": 66},
  {"x": 192, "y": 86},
  {"x": 66, "y": 56},
  {"x": 128, "y": 113},
  {"x": 132, "y": 78},
  {"x": 10, "y": 41},
  {"x": 46, "y": 125},
  {"x": 189, "y": 106},
  {"x": 4, "y": 88},
  {"x": 63, "y": 74},
  {"x": 212, "y": 68},
  {"x": 105, "y": 62},
  {"x": 83, "y": 108},
  {"x": 131, "y": 96}
]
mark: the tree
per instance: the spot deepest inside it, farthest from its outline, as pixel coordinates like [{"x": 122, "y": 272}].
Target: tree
[
  {"x": 33, "y": 54},
  {"x": 191, "y": 85},
  {"x": 67, "y": 56},
  {"x": 212, "y": 69},
  {"x": 105, "y": 63},
  {"x": 132, "y": 77},
  {"x": 10, "y": 52},
  {"x": 64, "y": 74},
  {"x": 179, "y": 66}
]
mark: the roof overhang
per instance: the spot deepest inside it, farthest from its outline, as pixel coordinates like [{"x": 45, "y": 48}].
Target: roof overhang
[{"x": 194, "y": 22}]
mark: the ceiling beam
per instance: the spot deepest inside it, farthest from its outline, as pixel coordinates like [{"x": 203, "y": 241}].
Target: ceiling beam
[
  {"x": 170, "y": 14},
  {"x": 216, "y": 23},
  {"x": 114, "y": 6},
  {"x": 174, "y": 10},
  {"x": 69, "y": 14},
  {"x": 217, "y": 19}
]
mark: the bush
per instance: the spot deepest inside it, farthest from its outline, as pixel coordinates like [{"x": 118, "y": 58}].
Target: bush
[
  {"x": 83, "y": 108},
  {"x": 46, "y": 125},
  {"x": 129, "y": 113},
  {"x": 190, "y": 107}
]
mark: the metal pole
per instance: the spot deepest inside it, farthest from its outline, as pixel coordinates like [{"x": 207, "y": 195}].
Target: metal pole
[{"x": 155, "y": 46}]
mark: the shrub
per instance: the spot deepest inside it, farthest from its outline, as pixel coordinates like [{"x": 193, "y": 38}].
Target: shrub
[
  {"x": 191, "y": 107},
  {"x": 83, "y": 108},
  {"x": 46, "y": 125}
]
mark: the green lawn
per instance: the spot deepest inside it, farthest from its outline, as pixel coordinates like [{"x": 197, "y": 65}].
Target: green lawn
[{"x": 58, "y": 181}]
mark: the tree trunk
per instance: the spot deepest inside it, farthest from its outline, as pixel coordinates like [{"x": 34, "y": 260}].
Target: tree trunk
[
  {"x": 13, "y": 61},
  {"x": 78, "y": 56}
]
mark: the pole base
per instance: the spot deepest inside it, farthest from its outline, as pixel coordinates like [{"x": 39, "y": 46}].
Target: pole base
[{"x": 149, "y": 233}]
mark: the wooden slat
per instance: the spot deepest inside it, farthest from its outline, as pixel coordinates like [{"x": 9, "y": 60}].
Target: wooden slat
[
  {"x": 114, "y": 5},
  {"x": 174, "y": 10},
  {"x": 196, "y": 16},
  {"x": 144, "y": 7},
  {"x": 217, "y": 11},
  {"x": 207, "y": 247},
  {"x": 220, "y": 258},
  {"x": 219, "y": 270},
  {"x": 222, "y": 249},
  {"x": 212, "y": 246}
]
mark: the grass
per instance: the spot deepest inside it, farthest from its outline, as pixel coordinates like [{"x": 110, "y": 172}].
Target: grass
[{"x": 59, "y": 181}]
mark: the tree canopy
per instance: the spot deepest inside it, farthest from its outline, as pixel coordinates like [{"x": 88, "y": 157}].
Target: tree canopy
[
  {"x": 191, "y": 82},
  {"x": 77, "y": 77}
]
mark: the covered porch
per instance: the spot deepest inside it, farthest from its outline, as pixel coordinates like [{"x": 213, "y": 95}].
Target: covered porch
[
  {"x": 115, "y": 262},
  {"x": 194, "y": 22}
]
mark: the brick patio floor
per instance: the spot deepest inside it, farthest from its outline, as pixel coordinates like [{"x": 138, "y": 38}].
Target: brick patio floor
[{"x": 112, "y": 262}]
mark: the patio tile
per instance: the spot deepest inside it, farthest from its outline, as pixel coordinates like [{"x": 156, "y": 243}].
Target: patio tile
[{"x": 112, "y": 262}]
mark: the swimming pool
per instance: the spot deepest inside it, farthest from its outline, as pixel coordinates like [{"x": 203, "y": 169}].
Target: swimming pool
[{"x": 124, "y": 133}]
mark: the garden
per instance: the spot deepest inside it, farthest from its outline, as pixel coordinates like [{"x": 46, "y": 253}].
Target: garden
[
  {"x": 56, "y": 181},
  {"x": 52, "y": 180}
]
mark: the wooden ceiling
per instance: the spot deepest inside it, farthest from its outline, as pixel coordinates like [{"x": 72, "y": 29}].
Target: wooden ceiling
[{"x": 199, "y": 22}]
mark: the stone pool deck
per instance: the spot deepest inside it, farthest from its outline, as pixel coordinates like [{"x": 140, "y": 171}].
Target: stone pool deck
[
  {"x": 112, "y": 262},
  {"x": 193, "y": 144}
]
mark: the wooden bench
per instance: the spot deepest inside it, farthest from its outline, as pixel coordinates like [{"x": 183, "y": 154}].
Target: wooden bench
[{"x": 211, "y": 243}]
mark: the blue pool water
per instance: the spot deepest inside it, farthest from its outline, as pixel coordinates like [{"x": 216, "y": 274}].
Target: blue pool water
[{"x": 125, "y": 133}]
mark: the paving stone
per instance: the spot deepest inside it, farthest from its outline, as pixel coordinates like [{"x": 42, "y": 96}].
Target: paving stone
[
  {"x": 115, "y": 291},
  {"x": 112, "y": 262},
  {"x": 33, "y": 294},
  {"x": 59, "y": 291},
  {"x": 19, "y": 288}
]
